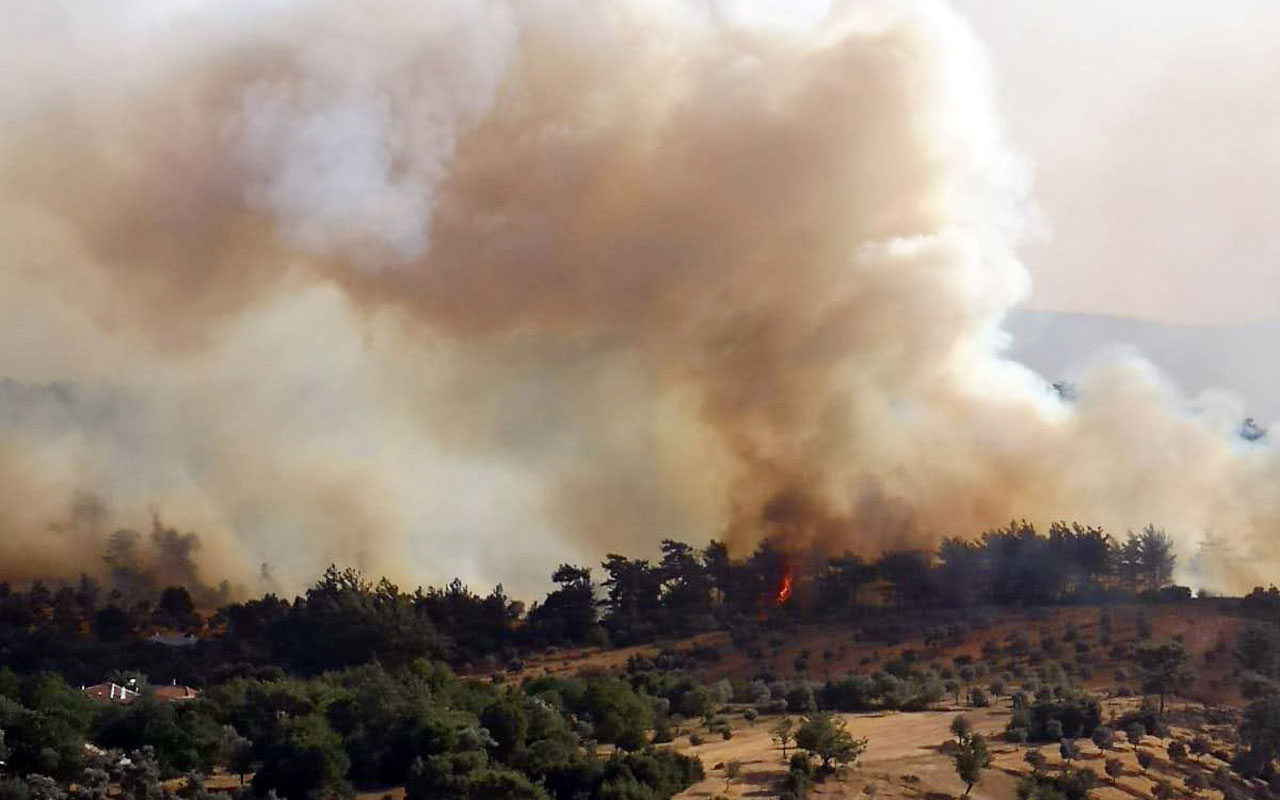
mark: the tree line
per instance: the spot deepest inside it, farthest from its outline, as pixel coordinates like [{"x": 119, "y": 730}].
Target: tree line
[{"x": 81, "y": 630}]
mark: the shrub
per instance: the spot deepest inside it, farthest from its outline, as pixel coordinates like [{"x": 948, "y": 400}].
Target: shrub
[
  {"x": 721, "y": 692},
  {"x": 756, "y": 692},
  {"x": 1199, "y": 746},
  {"x": 661, "y": 730},
  {"x": 850, "y": 693},
  {"x": 695, "y": 702},
  {"x": 1103, "y": 737},
  {"x": 1070, "y": 785},
  {"x": 1114, "y": 768},
  {"x": 1069, "y": 750},
  {"x": 795, "y": 786},
  {"x": 1134, "y": 733},
  {"x": 800, "y": 700},
  {"x": 1035, "y": 759},
  {"x": 1076, "y": 714},
  {"x": 772, "y": 707},
  {"x": 1145, "y": 759}
]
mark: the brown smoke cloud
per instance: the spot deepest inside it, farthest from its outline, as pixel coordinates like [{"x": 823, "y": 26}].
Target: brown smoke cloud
[{"x": 440, "y": 288}]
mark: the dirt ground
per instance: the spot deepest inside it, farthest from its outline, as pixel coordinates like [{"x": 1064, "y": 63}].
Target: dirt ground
[{"x": 906, "y": 758}]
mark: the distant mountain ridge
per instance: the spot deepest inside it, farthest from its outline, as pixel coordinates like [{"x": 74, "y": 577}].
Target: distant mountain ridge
[{"x": 1243, "y": 359}]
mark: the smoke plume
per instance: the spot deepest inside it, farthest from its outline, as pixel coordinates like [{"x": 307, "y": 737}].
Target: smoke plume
[{"x": 445, "y": 288}]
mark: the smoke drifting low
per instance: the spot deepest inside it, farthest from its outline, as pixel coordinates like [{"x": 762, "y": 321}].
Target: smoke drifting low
[{"x": 447, "y": 288}]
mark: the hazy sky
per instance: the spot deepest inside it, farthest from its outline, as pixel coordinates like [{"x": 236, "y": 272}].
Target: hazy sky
[{"x": 1153, "y": 128}]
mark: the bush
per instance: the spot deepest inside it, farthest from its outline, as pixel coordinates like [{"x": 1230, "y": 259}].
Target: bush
[
  {"x": 1072, "y": 714},
  {"x": 1069, "y": 750},
  {"x": 652, "y": 773},
  {"x": 800, "y": 700},
  {"x": 1114, "y": 768},
  {"x": 721, "y": 692},
  {"x": 695, "y": 702},
  {"x": 661, "y": 730},
  {"x": 1103, "y": 737},
  {"x": 850, "y": 693},
  {"x": 1145, "y": 759},
  {"x": 1035, "y": 759},
  {"x": 305, "y": 756},
  {"x": 1134, "y": 733},
  {"x": 772, "y": 707},
  {"x": 795, "y": 786},
  {"x": 756, "y": 692},
  {"x": 1071, "y": 785}
]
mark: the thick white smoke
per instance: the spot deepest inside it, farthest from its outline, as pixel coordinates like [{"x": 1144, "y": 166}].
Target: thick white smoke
[{"x": 441, "y": 288}]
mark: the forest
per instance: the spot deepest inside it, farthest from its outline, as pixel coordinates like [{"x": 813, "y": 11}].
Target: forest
[{"x": 357, "y": 684}]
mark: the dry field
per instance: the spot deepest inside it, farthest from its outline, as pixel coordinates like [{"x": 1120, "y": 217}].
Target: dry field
[{"x": 908, "y": 756}]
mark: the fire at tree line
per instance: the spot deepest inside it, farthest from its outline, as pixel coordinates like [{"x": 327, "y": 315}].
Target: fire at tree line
[{"x": 353, "y": 685}]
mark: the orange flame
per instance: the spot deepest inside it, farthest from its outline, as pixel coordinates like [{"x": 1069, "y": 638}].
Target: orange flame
[{"x": 784, "y": 587}]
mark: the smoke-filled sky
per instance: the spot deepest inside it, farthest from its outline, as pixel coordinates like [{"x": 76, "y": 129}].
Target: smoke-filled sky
[
  {"x": 1154, "y": 130},
  {"x": 439, "y": 288}
]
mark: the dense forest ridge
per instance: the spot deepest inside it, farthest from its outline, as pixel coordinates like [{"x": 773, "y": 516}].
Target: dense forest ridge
[{"x": 686, "y": 591}]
